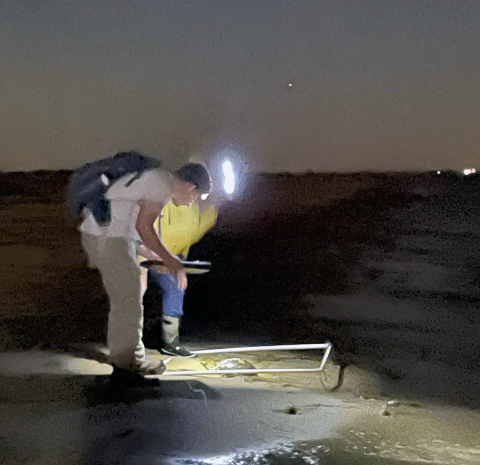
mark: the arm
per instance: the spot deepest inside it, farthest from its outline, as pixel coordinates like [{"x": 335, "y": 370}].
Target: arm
[
  {"x": 147, "y": 253},
  {"x": 144, "y": 225},
  {"x": 208, "y": 214},
  {"x": 208, "y": 218}
]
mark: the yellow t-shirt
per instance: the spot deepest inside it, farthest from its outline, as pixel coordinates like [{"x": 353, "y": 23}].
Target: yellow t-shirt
[{"x": 184, "y": 225}]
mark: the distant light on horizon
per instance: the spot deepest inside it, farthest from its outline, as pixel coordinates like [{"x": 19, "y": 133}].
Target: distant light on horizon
[
  {"x": 439, "y": 172},
  {"x": 468, "y": 171},
  {"x": 229, "y": 177}
]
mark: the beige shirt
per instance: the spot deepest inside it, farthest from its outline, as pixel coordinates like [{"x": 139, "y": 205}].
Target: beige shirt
[{"x": 153, "y": 186}]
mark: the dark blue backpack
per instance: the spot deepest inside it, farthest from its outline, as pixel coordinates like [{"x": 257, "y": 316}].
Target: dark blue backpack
[{"x": 87, "y": 187}]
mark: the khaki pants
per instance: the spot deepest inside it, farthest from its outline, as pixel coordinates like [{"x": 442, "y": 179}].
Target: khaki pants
[{"x": 116, "y": 259}]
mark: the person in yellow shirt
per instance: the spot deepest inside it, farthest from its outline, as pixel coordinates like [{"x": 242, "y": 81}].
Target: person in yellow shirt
[{"x": 179, "y": 227}]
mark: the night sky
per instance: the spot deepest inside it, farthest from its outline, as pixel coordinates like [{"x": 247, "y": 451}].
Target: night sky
[{"x": 377, "y": 85}]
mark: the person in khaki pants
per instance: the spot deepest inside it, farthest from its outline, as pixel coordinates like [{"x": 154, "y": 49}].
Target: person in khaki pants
[
  {"x": 135, "y": 202},
  {"x": 179, "y": 226}
]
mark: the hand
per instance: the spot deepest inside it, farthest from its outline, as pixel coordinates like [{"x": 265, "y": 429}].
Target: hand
[
  {"x": 173, "y": 265},
  {"x": 182, "y": 280},
  {"x": 160, "y": 269}
]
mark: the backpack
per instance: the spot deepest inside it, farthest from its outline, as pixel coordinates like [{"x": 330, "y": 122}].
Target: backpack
[{"x": 88, "y": 184}]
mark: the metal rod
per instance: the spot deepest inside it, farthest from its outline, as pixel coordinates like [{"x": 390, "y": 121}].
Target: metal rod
[
  {"x": 325, "y": 356},
  {"x": 245, "y": 371},
  {"x": 240, "y": 372},
  {"x": 263, "y": 348}
]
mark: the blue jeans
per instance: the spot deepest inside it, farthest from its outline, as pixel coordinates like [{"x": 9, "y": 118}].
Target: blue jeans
[{"x": 172, "y": 296}]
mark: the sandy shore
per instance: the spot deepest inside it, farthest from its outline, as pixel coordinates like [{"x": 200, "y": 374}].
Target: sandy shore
[
  {"x": 62, "y": 409},
  {"x": 384, "y": 268}
]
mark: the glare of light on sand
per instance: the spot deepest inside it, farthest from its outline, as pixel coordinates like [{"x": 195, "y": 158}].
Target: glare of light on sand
[
  {"x": 219, "y": 460},
  {"x": 229, "y": 177},
  {"x": 468, "y": 171},
  {"x": 290, "y": 84}
]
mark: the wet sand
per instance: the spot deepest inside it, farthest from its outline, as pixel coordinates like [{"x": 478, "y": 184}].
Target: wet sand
[
  {"x": 62, "y": 408},
  {"x": 385, "y": 267}
]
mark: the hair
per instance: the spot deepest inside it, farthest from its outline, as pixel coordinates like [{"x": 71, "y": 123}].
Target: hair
[{"x": 197, "y": 174}]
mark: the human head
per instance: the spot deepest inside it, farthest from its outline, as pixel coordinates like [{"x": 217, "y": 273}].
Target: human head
[{"x": 192, "y": 180}]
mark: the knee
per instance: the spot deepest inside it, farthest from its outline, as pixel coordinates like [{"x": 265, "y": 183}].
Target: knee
[{"x": 173, "y": 309}]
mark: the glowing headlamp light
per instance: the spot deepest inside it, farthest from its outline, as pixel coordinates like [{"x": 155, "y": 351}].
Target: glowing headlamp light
[{"x": 228, "y": 177}]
